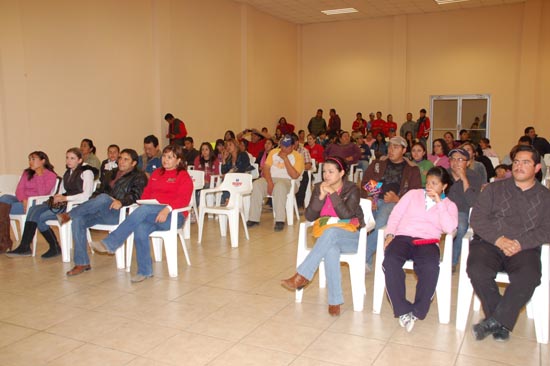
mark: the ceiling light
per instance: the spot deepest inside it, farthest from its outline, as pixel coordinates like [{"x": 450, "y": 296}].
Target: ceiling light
[
  {"x": 339, "y": 11},
  {"x": 442, "y": 2}
]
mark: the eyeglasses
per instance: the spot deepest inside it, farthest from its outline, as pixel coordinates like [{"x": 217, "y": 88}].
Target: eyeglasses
[
  {"x": 522, "y": 162},
  {"x": 459, "y": 160}
]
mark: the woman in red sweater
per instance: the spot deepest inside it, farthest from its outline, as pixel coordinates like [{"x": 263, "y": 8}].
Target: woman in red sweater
[{"x": 172, "y": 187}]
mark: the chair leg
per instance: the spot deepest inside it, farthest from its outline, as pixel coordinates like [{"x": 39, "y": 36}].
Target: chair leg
[
  {"x": 201, "y": 224},
  {"x": 65, "y": 238},
  {"x": 129, "y": 250},
  {"x": 222, "y": 219},
  {"x": 13, "y": 224},
  {"x": 443, "y": 292},
  {"x": 379, "y": 278},
  {"x": 119, "y": 255},
  {"x": 157, "y": 249},
  {"x": 233, "y": 219},
  {"x": 358, "y": 289},
  {"x": 184, "y": 247},
  {"x": 171, "y": 250},
  {"x": 465, "y": 292}
]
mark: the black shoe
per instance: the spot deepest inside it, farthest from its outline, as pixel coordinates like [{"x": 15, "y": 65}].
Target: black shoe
[
  {"x": 52, "y": 252},
  {"x": 252, "y": 223},
  {"x": 20, "y": 251},
  {"x": 484, "y": 328},
  {"x": 279, "y": 226},
  {"x": 501, "y": 335}
]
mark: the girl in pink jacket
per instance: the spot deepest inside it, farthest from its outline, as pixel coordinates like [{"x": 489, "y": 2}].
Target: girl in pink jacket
[{"x": 414, "y": 227}]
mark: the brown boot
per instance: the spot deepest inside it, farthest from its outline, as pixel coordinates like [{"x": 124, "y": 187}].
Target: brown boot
[
  {"x": 334, "y": 310},
  {"x": 5, "y": 239},
  {"x": 296, "y": 282}
]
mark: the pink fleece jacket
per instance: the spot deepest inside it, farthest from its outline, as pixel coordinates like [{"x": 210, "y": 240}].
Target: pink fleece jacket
[{"x": 410, "y": 217}]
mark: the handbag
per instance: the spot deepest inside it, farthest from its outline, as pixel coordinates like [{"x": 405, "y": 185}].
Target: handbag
[{"x": 56, "y": 207}]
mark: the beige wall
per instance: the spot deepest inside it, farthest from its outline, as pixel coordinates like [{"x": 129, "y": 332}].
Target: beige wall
[
  {"x": 395, "y": 64},
  {"x": 109, "y": 70}
]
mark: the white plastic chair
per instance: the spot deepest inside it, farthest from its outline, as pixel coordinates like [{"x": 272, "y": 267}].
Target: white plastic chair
[
  {"x": 291, "y": 205},
  {"x": 170, "y": 239},
  {"x": 355, "y": 261},
  {"x": 198, "y": 183},
  {"x": 351, "y": 175},
  {"x": 238, "y": 185},
  {"x": 538, "y": 307},
  {"x": 443, "y": 289},
  {"x": 119, "y": 254},
  {"x": 494, "y": 160},
  {"x": 307, "y": 196},
  {"x": 65, "y": 235},
  {"x": 31, "y": 201},
  {"x": 8, "y": 183},
  {"x": 318, "y": 175}
]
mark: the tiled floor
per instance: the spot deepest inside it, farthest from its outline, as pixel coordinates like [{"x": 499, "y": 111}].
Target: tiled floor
[{"x": 227, "y": 308}]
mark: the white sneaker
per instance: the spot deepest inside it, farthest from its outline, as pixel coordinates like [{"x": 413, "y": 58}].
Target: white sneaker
[{"x": 407, "y": 321}]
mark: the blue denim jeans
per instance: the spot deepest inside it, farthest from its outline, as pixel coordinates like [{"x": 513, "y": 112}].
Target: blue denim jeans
[
  {"x": 16, "y": 205},
  {"x": 328, "y": 247},
  {"x": 142, "y": 223},
  {"x": 90, "y": 213},
  {"x": 381, "y": 216},
  {"x": 460, "y": 232},
  {"x": 40, "y": 214}
]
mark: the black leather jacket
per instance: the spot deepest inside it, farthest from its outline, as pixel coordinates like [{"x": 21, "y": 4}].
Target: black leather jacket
[
  {"x": 127, "y": 189},
  {"x": 346, "y": 204}
]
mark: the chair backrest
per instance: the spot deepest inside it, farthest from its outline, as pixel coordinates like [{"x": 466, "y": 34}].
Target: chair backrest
[
  {"x": 546, "y": 159},
  {"x": 198, "y": 178},
  {"x": 8, "y": 183},
  {"x": 366, "y": 206},
  {"x": 255, "y": 173},
  {"x": 237, "y": 183},
  {"x": 494, "y": 160}
]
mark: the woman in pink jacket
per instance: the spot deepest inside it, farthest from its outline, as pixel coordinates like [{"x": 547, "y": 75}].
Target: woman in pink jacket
[{"x": 414, "y": 227}]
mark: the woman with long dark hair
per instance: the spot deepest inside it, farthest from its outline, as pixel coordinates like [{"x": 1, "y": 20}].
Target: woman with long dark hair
[
  {"x": 414, "y": 227},
  {"x": 172, "y": 187},
  {"x": 37, "y": 180},
  {"x": 88, "y": 154},
  {"x": 77, "y": 186},
  {"x": 439, "y": 157},
  {"x": 336, "y": 199}
]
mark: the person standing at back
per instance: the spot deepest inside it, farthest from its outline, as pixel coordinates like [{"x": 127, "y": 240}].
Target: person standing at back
[{"x": 176, "y": 129}]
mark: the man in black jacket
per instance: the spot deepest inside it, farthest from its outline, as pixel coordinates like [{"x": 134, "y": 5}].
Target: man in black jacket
[{"x": 122, "y": 186}]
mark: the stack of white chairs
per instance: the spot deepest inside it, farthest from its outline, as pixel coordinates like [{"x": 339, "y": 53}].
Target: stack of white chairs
[
  {"x": 355, "y": 261},
  {"x": 443, "y": 289}
]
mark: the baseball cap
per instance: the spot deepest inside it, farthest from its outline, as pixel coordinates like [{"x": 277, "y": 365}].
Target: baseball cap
[
  {"x": 286, "y": 141},
  {"x": 461, "y": 152},
  {"x": 398, "y": 140}
]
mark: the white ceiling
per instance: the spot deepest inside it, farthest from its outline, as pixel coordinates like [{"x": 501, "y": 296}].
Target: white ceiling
[{"x": 309, "y": 11}]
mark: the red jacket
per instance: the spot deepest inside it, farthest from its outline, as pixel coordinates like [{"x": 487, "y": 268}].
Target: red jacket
[{"x": 171, "y": 188}]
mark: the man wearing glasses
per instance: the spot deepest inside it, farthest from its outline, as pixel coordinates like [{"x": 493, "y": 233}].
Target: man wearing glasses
[
  {"x": 463, "y": 192},
  {"x": 510, "y": 224}
]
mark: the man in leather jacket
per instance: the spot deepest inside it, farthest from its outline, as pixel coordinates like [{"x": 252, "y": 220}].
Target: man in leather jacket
[{"x": 121, "y": 187}]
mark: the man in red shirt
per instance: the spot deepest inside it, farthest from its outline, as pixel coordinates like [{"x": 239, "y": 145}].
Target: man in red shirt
[
  {"x": 378, "y": 125},
  {"x": 176, "y": 130},
  {"x": 256, "y": 142}
]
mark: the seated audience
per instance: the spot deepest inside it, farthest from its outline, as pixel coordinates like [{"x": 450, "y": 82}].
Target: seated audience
[
  {"x": 510, "y": 224},
  {"x": 475, "y": 165},
  {"x": 364, "y": 159},
  {"x": 450, "y": 140},
  {"x": 172, "y": 187},
  {"x": 284, "y": 126},
  {"x": 335, "y": 199},
  {"x": 316, "y": 150},
  {"x": 379, "y": 147},
  {"x": 369, "y": 140},
  {"x": 410, "y": 142},
  {"x": 397, "y": 176},
  {"x": 88, "y": 156},
  {"x": 539, "y": 143},
  {"x": 189, "y": 151},
  {"x": 419, "y": 157},
  {"x": 301, "y": 193},
  {"x": 121, "y": 187},
  {"x": 233, "y": 159},
  {"x": 463, "y": 192},
  {"x": 111, "y": 162},
  {"x": 151, "y": 159},
  {"x": 414, "y": 228},
  {"x": 209, "y": 163},
  {"x": 229, "y": 135},
  {"x": 256, "y": 143},
  {"x": 485, "y": 145},
  {"x": 345, "y": 149},
  {"x": 219, "y": 148},
  {"x": 502, "y": 171},
  {"x": 268, "y": 146},
  {"x": 439, "y": 154},
  {"x": 282, "y": 165},
  {"x": 77, "y": 186},
  {"x": 302, "y": 138},
  {"x": 37, "y": 180}
]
